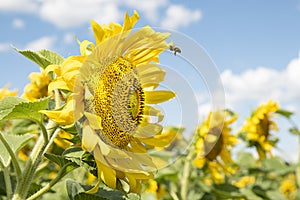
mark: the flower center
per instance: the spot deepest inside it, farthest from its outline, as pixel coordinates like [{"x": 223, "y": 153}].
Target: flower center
[
  {"x": 119, "y": 101},
  {"x": 214, "y": 147}
]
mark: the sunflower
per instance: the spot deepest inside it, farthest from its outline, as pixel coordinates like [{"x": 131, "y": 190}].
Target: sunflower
[
  {"x": 213, "y": 145},
  {"x": 155, "y": 188},
  {"x": 258, "y": 128},
  {"x": 112, "y": 96},
  {"x": 5, "y": 92},
  {"x": 38, "y": 87},
  {"x": 288, "y": 186},
  {"x": 244, "y": 181}
]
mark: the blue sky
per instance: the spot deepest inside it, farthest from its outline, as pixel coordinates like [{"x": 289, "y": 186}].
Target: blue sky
[{"x": 254, "y": 44}]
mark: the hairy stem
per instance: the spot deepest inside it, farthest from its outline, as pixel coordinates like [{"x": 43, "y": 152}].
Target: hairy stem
[
  {"x": 7, "y": 181},
  {"x": 32, "y": 163},
  {"x": 47, "y": 187},
  {"x": 13, "y": 157}
]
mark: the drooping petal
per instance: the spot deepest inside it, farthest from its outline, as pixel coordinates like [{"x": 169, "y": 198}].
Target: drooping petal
[{"x": 155, "y": 97}]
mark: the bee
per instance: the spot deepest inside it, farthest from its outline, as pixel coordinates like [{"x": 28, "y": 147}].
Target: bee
[{"x": 174, "y": 48}]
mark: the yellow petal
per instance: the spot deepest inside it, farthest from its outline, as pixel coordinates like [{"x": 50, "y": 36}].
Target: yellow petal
[
  {"x": 151, "y": 111},
  {"x": 160, "y": 140},
  {"x": 107, "y": 174},
  {"x": 154, "y": 97},
  {"x": 89, "y": 139},
  {"x": 94, "y": 120},
  {"x": 84, "y": 47},
  {"x": 147, "y": 130},
  {"x": 98, "y": 32}
]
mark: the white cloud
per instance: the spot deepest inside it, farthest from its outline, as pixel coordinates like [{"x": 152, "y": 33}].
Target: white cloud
[
  {"x": 4, "y": 47},
  {"x": 150, "y": 8},
  {"x": 180, "y": 16},
  {"x": 263, "y": 83},
  {"x": 18, "y": 23},
  {"x": 73, "y": 13},
  {"x": 18, "y": 5},
  {"x": 46, "y": 42}
]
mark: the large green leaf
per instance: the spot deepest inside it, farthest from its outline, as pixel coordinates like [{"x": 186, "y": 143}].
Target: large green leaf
[
  {"x": 76, "y": 191},
  {"x": 17, "y": 108},
  {"x": 15, "y": 142},
  {"x": 24, "y": 126},
  {"x": 275, "y": 163},
  {"x": 43, "y": 57},
  {"x": 245, "y": 159}
]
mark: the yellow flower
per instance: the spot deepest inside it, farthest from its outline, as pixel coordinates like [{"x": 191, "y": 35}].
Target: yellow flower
[
  {"x": 288, "y": 187},
  {"x": 259, "y": 126},
  {"x": 5, "y": 92},
  {"x": 65, "y": 76},
  {"x": 38, "y": 88},
  {"x": 155, "y": 188},
  {"x": 244, "y": 181},
  {"x": 115, "y": 85},
  {"x": 214, "y": 144},
  {"x": 61, "y": 139}
]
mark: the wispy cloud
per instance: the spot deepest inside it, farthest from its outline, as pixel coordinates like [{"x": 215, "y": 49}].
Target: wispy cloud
[
  {"x": 46, "y": 42},
  {"x": 24, "y": 6},
  {"x": 150, "y": 8},
  {"x": 74, "y": 13},
  {"x": 179, "y": 16},
  {"x": 18, "y": 23}
]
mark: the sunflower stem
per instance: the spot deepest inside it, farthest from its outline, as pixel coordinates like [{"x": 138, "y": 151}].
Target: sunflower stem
[
  {"x": 47, "y": 187},
  {"x": 32, "y": 163},
  {"x": 7, "y": 181},
  {"x": 186, "y": 175},
  {"x": 13, "y": 158}
]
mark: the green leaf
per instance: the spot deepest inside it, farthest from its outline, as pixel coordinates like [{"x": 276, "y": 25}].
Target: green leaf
[
  {"x": 245, "y": 159},
  {"x": 76, "y": 191},
  {"x": 249, "y": 194},
  {"x": 15, "y": 142},
  {"x": 59, "y": 160},
  {"x": 17, "y": 108},
  {"x": 23, "y": 126},
  {"x": 275, "y": 163},
  {"x": 294, "y": 131},
  {"x": 43, "y": 57},
  {"x": 284, "y": 113},
  {"x": 275, "y": 195}
]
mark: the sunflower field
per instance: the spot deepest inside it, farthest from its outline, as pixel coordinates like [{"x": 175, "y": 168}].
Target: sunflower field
[{"x": 89, "y": 126}]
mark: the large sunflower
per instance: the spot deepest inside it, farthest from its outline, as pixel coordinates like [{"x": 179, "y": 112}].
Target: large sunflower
[
  {"x": 112, "y": 96},
  {"x": 213, "y": 145},
  {"x": 258, "y": 128}
]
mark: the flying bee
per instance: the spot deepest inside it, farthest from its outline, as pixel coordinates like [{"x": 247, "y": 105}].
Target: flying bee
[{"x": 174, "y": 48}]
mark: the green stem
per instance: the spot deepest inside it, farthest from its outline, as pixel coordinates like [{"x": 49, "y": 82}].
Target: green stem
[
  {"x": 44, "y": 132},
  {"x": 32, "y": 163},
  {"x": 7, "y": 181},
  {"x": 47, "y": 187},
  {"x": 185, "y": 178},
  {"x": 13, "y": 158}
]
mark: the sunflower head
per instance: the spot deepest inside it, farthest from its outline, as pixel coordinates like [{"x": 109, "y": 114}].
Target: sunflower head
[
  {"x": 213, "y": 145},
  {"x": 259, "y": 126},
  {"x": 5, "y": 92},
  {"x": 113, "y": 93},
  {"x": 38, "y": 87},
  {"x": 288, "y": 186}
]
